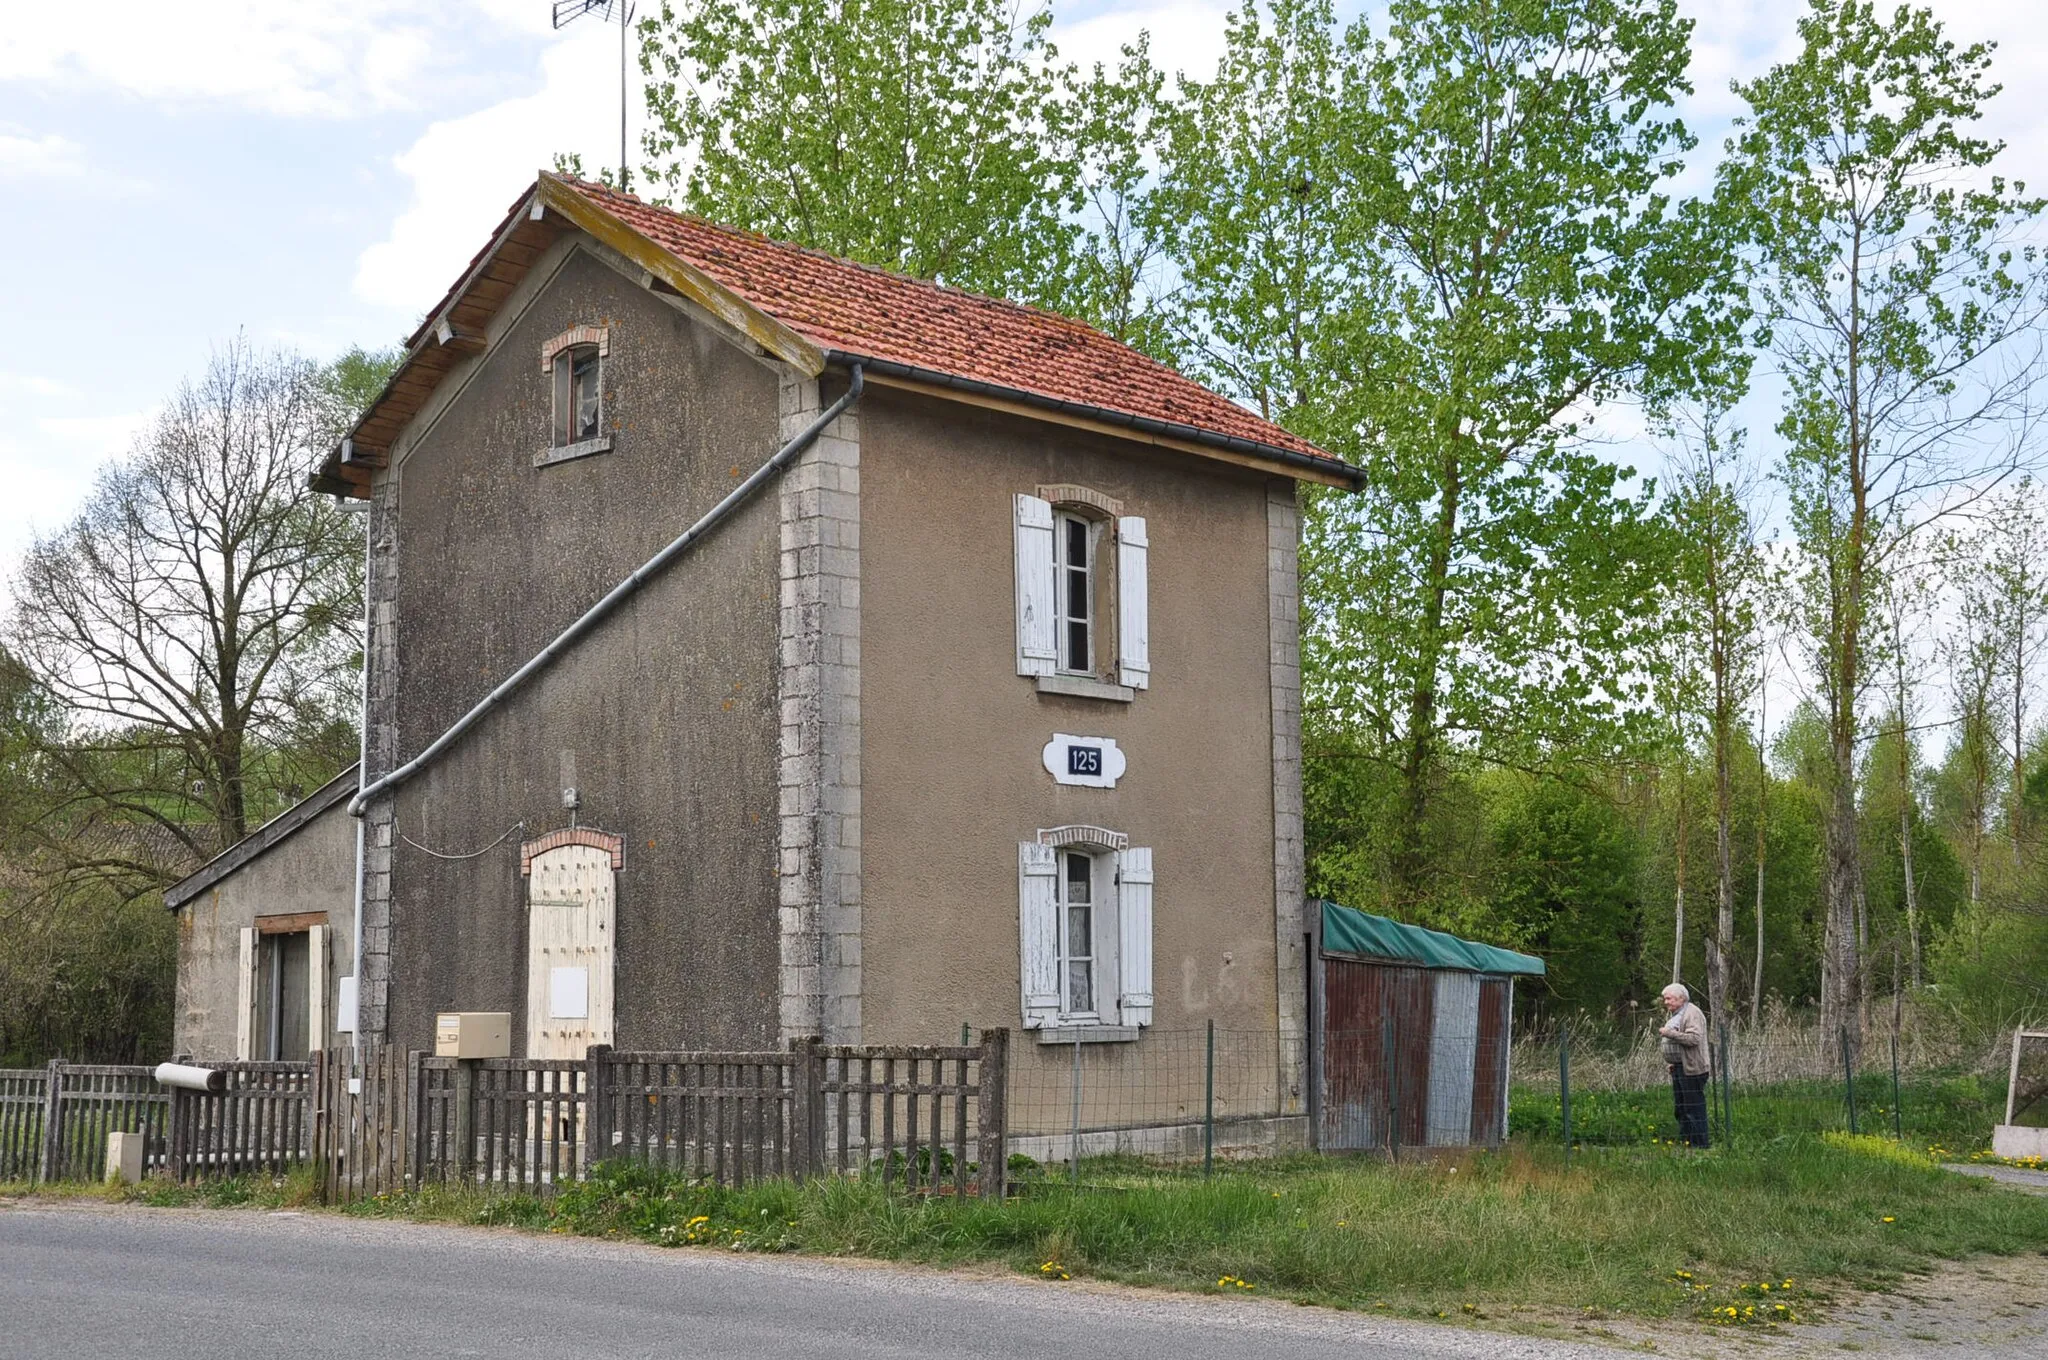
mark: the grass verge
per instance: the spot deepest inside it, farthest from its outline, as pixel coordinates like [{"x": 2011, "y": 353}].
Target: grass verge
[{"x": 1767, "y": 1230}]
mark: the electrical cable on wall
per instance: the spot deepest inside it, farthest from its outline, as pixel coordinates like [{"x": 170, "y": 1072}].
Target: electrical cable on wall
[{"x": 510, "y": 832}]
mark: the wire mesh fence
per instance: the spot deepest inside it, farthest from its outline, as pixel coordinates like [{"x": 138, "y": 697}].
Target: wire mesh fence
[
  {"x": 1172, "y": 1098},
  {"x": 1567, "y": 1089}
]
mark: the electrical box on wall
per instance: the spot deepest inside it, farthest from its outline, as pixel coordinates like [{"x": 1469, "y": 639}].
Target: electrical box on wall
[{"x": 473, "y": 1034}]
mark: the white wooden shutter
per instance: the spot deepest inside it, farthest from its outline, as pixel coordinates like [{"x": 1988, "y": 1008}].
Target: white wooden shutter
[
  {"x": 1038, "y": 922},
  {"x": 316, "y": 987},
  {"x": 1134, "y": 935},
  {"x": 1037, "y": 621},
  {"x": 1134, "y": 626},
  {"x": 245, "y": 997}
]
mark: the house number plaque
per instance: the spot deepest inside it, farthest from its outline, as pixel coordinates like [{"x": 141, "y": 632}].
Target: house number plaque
[{"x": 1091, "y": 762}]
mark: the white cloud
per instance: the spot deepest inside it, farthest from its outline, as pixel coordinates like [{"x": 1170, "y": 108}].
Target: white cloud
[
  {"x": 24, "y": 155},
  {"x": 467, "y": 171},
  {"x": 103, "y": 436},
  {"x": 330, "y": 60},
  {"x": 34, "y": 385},
  {"x": 51, "y": 464}
]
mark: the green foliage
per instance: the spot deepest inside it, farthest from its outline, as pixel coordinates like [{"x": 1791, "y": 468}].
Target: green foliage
[
  {"x": 1991, "y": 964},
  {"x": 1898, "y": 304},
  {"x": 1571, "y": 892},
  {"x": 1518, "y": 262},
  {"x": 940, "y": 138}
]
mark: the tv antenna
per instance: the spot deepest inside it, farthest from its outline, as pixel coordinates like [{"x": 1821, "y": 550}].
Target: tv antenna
[{"x": 618, "y": 12}]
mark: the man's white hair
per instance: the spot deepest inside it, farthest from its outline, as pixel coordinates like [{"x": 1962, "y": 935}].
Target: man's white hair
[{"x": 1677, "y": 989}]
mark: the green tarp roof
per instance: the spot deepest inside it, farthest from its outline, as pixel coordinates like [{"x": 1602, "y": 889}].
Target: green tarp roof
[{"x": 1359, "y": 933}]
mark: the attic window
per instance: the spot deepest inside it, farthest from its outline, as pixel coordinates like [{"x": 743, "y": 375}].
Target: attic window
[
  {"x": 579, "y": 399},
  {"x": 574, "y": 364}
]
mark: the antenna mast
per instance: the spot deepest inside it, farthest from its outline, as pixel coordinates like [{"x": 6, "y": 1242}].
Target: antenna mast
[{"x": 608, "y": 11}]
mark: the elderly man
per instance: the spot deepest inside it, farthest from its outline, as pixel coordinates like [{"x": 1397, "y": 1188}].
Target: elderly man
[{"x": 1686, "y": 1052}]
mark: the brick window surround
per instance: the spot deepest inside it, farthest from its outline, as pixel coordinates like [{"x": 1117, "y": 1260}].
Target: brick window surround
[
  {"x": 576, "y": 335},
  {"x": 607, "y": 841}
]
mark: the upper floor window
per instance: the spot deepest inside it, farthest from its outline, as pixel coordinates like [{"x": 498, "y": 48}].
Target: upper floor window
[
  {"x": 579, "y": 397},
  {"x": 1075, "y": 548},
  {"x": 1082, "y": 581},
  {"x": 574, "y": 362}
]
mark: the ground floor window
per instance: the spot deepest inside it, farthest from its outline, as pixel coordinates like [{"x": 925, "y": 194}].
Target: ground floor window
[
  {"x": 283, "y": 1013},
  {"x": 1078, "y": 947},
  {"x": 1085, "y": 923}
]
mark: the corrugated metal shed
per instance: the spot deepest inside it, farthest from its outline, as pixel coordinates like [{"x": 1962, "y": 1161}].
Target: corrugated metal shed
[{"x": 1412, "y": 1033}]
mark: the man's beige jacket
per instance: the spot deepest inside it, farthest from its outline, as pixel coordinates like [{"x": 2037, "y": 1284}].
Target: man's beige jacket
[{"x": 1688, "y": 1050}]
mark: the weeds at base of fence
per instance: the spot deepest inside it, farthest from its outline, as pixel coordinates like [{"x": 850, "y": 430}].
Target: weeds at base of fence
[{"x": 297, "y": 1188}]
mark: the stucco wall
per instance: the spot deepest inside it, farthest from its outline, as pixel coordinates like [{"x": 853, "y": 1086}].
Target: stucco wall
[
  {"x": 312, "y": 870},
  {"x": 952, "y": 735},
  {"x": 664, "y": 718}
]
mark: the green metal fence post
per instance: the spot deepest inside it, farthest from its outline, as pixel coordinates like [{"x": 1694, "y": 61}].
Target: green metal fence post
[
  {"x": 1849, "y": 1078},
  {"x": 1209, "y": 1106},
  {"x": 1564, "y": 1085},
  {"x": 1897, "y": 1126},
  {"x": 1074, "y": 1126}
]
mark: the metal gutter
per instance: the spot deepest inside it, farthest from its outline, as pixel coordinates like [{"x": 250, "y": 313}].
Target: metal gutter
[
  {"x": 618, "y": 593},
  {"x": 1170, "y": 429}
]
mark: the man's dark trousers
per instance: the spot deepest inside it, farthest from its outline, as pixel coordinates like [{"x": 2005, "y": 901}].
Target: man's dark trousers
[{"x": 1689, "y": 1097}]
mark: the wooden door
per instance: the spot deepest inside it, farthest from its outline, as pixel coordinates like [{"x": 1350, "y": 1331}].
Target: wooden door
[{"x": 569, "y": 918}]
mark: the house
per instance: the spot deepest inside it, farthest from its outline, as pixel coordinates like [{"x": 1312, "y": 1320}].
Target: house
[{"x": 764, "y": 645}]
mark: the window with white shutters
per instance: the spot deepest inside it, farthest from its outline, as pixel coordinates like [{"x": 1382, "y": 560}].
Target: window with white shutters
[
  {"x": 1085, "y": 925},
  {"x": 1075, "y": 568}
]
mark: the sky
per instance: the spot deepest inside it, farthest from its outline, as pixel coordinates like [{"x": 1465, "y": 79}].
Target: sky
[{"x": 314, "y": 174}]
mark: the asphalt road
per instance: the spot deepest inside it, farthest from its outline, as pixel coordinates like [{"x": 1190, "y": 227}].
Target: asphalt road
[{"x": 86, "y": 1281}]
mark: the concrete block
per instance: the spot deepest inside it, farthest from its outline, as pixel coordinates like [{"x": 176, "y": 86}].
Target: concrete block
[
  {"x": 124, "y": 1157},
  {"x": 2015, "y": 1141}
]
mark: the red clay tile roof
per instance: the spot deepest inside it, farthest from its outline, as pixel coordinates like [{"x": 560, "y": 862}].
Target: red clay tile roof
[{"x": 860, "y": 311}]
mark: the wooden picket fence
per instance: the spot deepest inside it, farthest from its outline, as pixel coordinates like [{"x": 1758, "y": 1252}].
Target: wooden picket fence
[
  {"x": 928, "y": 1120},
  {"x": 916, "y": 1115},
  {"x": 514, "y": 1122},
  {"x": 378, "y": 1120},
  {"x": 54, "y": 1121}
]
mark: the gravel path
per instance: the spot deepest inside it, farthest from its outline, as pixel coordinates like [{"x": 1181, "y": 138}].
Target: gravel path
[{"x": 2036, "y": 1181}]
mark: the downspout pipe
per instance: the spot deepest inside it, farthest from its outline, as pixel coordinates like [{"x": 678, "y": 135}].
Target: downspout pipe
[{"x": 613, "y": 598}]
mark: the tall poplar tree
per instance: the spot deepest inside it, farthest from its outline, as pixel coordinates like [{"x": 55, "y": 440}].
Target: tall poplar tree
[
  {"x": 1719, "y": 600},
  {"x": 1526, "y": 263},
  {"x": 1893, "y": 288}
]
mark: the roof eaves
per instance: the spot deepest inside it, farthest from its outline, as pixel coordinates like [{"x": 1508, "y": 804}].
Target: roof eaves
[
  {"x": 1326, "y": 467},
  {"x": 263, "y": 839},
  {"x": 592, "y": 217}
]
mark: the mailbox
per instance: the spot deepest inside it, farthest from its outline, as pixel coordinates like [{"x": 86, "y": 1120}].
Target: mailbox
[{"x": 473, "y": 1034}]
